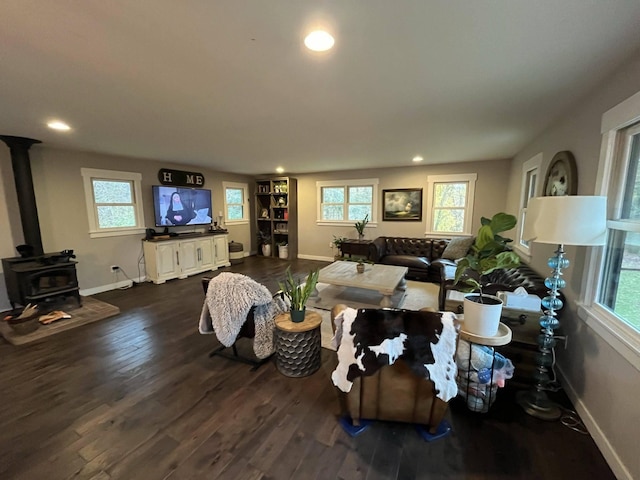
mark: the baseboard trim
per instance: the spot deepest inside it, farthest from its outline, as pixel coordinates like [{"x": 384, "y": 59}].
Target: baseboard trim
[
  {"x": 315, "y": 257},
  {"x": 87, "y": 292},
  {"x": 613, "y": 460}
]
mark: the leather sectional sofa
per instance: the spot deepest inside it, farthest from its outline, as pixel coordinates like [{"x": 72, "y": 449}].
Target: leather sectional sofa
[
  {"x": 423, "y": 258},
  {"x": 417, "y": 254}
]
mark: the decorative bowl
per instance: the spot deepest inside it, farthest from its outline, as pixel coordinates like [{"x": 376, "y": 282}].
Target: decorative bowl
[{"x": 22, "y": 326}]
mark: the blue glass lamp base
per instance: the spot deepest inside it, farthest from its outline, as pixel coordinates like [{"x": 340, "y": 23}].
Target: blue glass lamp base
[{"x": 537, "y": 404}]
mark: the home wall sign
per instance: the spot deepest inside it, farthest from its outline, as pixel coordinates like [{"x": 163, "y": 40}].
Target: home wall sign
[{"x": 180, "y": 178}]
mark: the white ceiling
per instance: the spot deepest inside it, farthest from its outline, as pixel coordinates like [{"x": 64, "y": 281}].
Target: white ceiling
[{"x": 229, "y": 85}]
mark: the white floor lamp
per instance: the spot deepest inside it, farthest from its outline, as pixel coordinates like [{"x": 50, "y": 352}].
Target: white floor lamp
[{"x": 566, "y": 220}]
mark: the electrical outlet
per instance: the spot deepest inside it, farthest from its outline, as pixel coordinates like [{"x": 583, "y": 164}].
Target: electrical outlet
[
  {"x": 330, "y": 244},
  {"x": 115, "y": 268}
]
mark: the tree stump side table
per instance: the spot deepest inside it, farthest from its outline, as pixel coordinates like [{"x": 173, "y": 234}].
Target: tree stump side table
[{"x": 298, "y": 345}]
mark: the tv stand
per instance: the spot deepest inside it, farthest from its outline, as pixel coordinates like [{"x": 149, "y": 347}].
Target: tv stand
[{"x": 184, "y": 255}]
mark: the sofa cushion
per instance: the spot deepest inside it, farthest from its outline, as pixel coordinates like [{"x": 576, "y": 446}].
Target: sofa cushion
[
  {"x": 406, "y": 261},
  {"x": 457, "y": 248}
]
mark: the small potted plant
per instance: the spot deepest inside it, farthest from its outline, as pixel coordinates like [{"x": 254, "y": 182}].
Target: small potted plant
[
  {"x": 264, "y": 239},
  {"x": 298, "y": 293},
  {"x": 360, "y": 226},
  {"x": 360, "y": 262},
  {"x": 489, "y": 251},
  {"x": 337, "y": 242},
  {"x": 283, "y": 250}
]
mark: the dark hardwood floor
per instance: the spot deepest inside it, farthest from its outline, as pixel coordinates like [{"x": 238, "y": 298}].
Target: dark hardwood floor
[{"x": 136, "y": 397}]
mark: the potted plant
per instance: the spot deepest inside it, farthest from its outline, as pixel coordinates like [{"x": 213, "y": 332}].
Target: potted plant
[
  {"x": 264, "y": 239},
  {"x": 298, "y": 293},
  {"x": 337, "y": 242},
  {"x": 360, "y": 226},
  {"x": 283, "y": 250},
  {"x": 489, "y": 251},
  {"x": 360, "y": 262}
]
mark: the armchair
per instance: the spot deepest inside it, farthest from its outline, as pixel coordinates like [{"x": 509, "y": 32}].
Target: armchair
[
  {"x": 238, "y": 307},
  {"x": 415, "y": 389}
]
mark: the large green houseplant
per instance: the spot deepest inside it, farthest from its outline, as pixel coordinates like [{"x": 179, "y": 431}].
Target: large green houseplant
[
  {"x": 489, "y": 251},
  {"x": 298, "y": 293}
]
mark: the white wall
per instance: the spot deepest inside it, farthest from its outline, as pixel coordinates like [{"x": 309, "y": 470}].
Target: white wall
[
  {"x": 10, "y": 230},
  {"x": 604, "y": 386},
  {"x": 63, "y": 216},
  {"x": 490, "y": 198}
]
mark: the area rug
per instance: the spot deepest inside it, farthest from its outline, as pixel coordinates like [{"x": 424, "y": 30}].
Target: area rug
[
  {"x": 418, "y": 295},
  {"x": 91, "y": 311}
]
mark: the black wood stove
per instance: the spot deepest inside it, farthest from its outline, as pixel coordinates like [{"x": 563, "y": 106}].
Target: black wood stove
[
  {"x": 43, "y": 279},
  {"x": 34, "y": 277}
]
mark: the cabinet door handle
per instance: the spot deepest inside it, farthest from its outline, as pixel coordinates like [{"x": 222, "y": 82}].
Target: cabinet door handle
[
  {"x": 215, "y": 250},
  {"x": 199, "y": 254},
  {"x": 178, "y": 258}
]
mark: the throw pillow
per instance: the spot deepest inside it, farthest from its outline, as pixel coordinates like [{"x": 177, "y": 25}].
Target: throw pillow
[{"x": 457, "y": 248}]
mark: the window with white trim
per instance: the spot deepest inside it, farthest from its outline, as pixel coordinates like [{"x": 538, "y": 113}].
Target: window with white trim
[
  {"x": 609, "y": 303},
  {"x": 530, "y": 181},
  {"x": 347, "y": 201},
  {"x": 450, "y": 199},
  {"x": 620, "y": 275},
  {"x": 236, "y": 203},
  {"x": 114, "y": 202}
]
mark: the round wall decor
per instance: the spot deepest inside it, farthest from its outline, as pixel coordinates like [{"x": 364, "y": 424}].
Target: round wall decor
[{"x": 562, "y": 175}]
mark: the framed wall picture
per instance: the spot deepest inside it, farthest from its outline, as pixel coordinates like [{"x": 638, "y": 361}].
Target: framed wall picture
[
  {"x": 402, "y": 204},
  {"x": 562, "y": 175}
]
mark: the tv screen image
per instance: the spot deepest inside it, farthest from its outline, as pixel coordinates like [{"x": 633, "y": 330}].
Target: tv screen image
[{"x": 181, "y": 206}]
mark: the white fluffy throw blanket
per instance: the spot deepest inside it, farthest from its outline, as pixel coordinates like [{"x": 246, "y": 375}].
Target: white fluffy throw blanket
[{"x": 229, "y": 298}]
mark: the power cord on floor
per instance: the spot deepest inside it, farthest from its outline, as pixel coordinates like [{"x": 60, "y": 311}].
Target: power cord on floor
[
  {"x": 572, "y": 420},
  {"x": 568, "y": 418},
  {"x": 133, "y": 283}
]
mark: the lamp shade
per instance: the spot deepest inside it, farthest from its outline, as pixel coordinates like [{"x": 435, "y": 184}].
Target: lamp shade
[{"x": 566, "y": 220}]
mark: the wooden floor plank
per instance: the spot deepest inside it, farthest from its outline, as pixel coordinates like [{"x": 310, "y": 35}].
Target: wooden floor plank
[{"x": 136, "y": 396}]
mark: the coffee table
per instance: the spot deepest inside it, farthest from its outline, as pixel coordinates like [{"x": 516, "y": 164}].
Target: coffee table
[{"x": 381, "y": 278}]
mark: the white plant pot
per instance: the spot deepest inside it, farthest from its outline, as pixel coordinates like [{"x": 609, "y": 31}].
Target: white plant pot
[
  {"x": 482, "y": 319},
  {"x": 266, "y": 250},
  {"x": 283, "y": 251}
]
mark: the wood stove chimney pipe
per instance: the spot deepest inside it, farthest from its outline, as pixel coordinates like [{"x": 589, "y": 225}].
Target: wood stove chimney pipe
[{"x": 19, "y": 148}]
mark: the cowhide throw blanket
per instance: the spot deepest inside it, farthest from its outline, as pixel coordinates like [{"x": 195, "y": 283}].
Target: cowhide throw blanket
[
  {"x": 229, "y": 298},
  {"x": 369, "y": 339}
]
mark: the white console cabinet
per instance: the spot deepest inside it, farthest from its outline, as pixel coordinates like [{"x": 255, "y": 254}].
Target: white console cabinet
[
  {"x": 221, "y": 251},
  {"x": 179, "y": 258}
]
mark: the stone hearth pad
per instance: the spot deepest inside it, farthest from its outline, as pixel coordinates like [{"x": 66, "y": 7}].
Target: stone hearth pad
[{"x": 92, "y": 310}]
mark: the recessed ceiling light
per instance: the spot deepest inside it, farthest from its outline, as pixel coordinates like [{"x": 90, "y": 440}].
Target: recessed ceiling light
[
  {"x": 280, "y": 170},
  {"x": 319, "y": 41},
  {"x": 417, "y": 158},
  {"x": 58, "y": 125}
]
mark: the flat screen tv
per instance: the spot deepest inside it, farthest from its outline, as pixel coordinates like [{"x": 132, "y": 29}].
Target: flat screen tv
[{"x": 174, "y": 206}]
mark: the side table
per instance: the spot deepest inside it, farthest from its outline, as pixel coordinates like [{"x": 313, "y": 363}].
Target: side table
[
  {"x": 298, "y": 345},
  {"x": 523, "y": 348},
  {"x": 476, "y": 383},
  {"x": 360, "y": 248}
]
